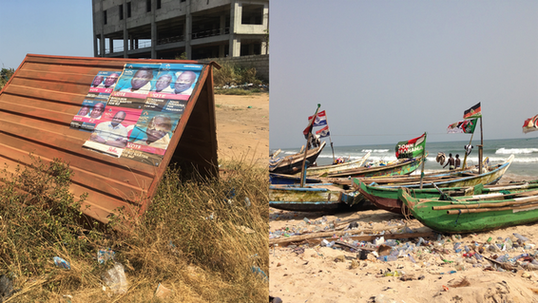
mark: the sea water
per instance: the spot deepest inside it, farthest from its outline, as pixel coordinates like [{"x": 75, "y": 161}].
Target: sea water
[{"x": 525, "y": 151}]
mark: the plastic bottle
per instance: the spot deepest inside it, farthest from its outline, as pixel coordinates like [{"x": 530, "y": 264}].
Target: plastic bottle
[
  {"x": 503, "y": 258},
  {"x": 391, "y": 242},
  {"x": 520, "y": 237},
  {"x": 411, "y": 258},
  {"x": 507, "y": 244},
  {"x": 420, "y": 241}
]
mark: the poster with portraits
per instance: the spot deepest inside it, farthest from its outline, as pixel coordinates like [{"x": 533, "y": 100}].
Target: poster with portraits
[
  {"x": 89, "y": 114},
  {"x": 104, "y": 82},
  {"x": 142, "y": 111}
]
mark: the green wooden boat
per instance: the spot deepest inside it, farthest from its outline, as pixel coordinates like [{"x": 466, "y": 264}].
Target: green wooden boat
[
  {"x": 399, "y": 167},
  {"x": 472, "y": 214},
  {"x": 324, "y": 170},
  {"x": 383, "y": 192},
  {"x": 325, "y": 197}
]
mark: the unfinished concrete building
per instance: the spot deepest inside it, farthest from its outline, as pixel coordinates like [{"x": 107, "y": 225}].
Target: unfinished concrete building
[{"x": 168, "y": 29}]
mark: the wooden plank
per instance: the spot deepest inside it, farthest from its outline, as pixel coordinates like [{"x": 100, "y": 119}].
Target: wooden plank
[
  {"x": 39, "y": 134},
  {"x": 7, "y": 102},
  {"x": 120, "y": 184}
]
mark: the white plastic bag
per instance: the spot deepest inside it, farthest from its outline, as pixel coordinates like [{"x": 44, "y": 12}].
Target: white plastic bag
[{"x": 116, "y": 280}]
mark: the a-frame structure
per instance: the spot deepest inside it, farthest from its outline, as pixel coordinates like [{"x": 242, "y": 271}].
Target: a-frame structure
[{"x": 37, "y": 107}]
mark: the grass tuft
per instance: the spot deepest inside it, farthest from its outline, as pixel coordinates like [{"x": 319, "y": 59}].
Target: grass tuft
[{"x": 205, "y": 241}]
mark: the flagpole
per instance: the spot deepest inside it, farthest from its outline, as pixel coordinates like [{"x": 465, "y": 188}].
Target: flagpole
[
  {"x": 330, "y": 139},
  {"x": 423, "y": 161},
  {"x": 303, "y": 169},
  {"x": 480, "y": 150},
  {"x": 465, "y": 158}
]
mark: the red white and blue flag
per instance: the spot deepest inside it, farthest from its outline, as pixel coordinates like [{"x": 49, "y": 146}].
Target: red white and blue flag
[
  {"x": 530, "y": 124},
  {"x": 321, "y": 119},
  {"x": 324, "y": 132}
]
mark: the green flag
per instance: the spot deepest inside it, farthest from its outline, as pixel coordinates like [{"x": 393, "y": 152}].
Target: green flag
[{"x": 412, "y": 148}]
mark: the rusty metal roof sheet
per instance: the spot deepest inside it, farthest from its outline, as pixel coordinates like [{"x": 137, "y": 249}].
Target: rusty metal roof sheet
[{"x": 39, "y": 102}]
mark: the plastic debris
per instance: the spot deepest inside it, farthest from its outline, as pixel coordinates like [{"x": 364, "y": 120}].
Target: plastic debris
[
  {"x": 116, "y": 280},
  {"x": 163, "y": 292},
  {"x": 6, "y": 288},
  {"x": 61, "y": 263},
  {"x": 105, "y": 254},
  {"x": 259, "y": 271}
]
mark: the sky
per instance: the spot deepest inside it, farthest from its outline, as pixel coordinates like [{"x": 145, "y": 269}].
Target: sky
[
  {"x": 53, "y": 27},
  {"x": 388, "y": 71}
]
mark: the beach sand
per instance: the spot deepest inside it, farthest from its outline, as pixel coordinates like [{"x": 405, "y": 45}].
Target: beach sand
[
  {"x": 310, "y": 272},
  {"x": 243, "y": 128}
]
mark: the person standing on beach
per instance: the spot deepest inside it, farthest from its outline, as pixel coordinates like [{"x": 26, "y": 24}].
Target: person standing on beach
[
  {"x": 450, "y": 162},
  {"x": 457, "y": 161}
]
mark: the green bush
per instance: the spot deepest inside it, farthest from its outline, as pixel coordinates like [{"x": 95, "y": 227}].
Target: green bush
[{"x": 232, "y": 74}]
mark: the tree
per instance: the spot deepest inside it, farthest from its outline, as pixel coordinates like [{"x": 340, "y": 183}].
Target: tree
[{"x": 5, "y": 75}]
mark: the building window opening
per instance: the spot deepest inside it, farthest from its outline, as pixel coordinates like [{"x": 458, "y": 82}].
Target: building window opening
[
  {"x": 252, "y": 14},
  {"x": 128, "y": 9},
  {"x": 121, "y": 11},
  {"x": 104, "y": 17},
  {"x": 158, "y": 4},
  {"x": 148, "y": 5}
]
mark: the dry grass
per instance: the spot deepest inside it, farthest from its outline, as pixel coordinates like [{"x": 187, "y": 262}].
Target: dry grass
[{"x": 203, "y": 240}]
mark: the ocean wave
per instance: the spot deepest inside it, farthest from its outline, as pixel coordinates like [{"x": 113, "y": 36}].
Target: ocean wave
[
  {"x": 375, "y": 150},
  {"x": 508, "y": 151}
]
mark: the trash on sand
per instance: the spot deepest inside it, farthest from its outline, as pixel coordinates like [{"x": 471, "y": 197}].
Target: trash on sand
[
  {"x": 259, "y": 271},
  {"x": 105, "y": 254},
  {"x": 61, "y": 263},
  {"x": 115, "y": 279},
  {"x": 6, "y": 288},
  {"x": 163, "y": 292}
]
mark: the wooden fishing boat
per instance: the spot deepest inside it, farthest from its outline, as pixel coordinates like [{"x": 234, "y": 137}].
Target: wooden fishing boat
[
  {"x": 292, "y": 164},
  {"x": 324, "y": 170},
  {"x": 467, "y": 215},
  {"x": 383, "y": 192},
  {"x": 399, "y": 167},
  {"x": 325, "y": 197}
]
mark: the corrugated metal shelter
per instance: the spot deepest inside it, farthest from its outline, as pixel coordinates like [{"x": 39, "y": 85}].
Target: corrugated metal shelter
[{"x": 39, "y": 102}]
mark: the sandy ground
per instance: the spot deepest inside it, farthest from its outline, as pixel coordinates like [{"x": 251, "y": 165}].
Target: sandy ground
[
  {"x": 243, "y": 128},
  {"x": 311, "y": 272}
]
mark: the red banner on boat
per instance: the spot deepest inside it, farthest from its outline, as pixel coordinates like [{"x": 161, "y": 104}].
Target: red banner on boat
[
  {"x": 324, "y": 132},
  {"x": 473, "y": 112},
  {"x": 462, "y": 127},
  {"x": 530, "y": 124},
  {"x": 412, "y": 148}
]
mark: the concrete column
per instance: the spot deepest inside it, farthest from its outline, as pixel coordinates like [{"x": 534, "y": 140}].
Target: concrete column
[
  {"x": 111, "y": 44},
  {"x": 125, "y": 32},
  {"x": 102, "y": 44},
  {"x": 125, "y": 42},
  {"x": 264, "y": 48},
  {"x": 235, "y": 22},
  {"x": 235, "y": 47},
  {"x": 153, "y": 30},
  {"x": 223, "y": 24},
  {"x": 188, "y": 31}
]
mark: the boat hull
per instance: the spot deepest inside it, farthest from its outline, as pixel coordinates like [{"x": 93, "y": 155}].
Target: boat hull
[
  {"x": 293, "y": 163},
  {"x": 459, "y": 221},
  {"x": 401, "y": 168},
  {"x": 386, "y": 196},
  {"x": 319, "y": 197}
]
